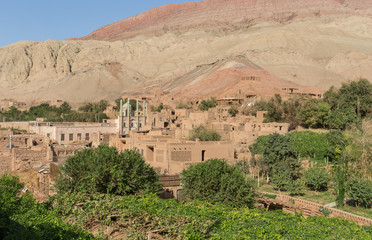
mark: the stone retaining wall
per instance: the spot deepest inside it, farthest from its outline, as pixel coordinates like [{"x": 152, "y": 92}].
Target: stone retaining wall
[{"x": 308, "y": 208}]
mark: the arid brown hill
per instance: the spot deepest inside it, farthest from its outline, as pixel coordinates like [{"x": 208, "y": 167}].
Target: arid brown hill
[
  {"x": 306, "y": 43},
  {"x": 226, "y": 14}
]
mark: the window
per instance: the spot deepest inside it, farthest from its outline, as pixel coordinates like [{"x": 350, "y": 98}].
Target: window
[
  {"x": 48, "y": 135},
  {"x": 87, "y": 136},
  {"x": 62, "y": 137},
  {"x": 71, "y": 137},
  {"x": 79, "y": 136}
]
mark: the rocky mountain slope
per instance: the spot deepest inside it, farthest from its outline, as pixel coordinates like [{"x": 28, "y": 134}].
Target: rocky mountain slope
[
  {"x": 324, "y": 43},
  {"x": 224, "y": 14}
]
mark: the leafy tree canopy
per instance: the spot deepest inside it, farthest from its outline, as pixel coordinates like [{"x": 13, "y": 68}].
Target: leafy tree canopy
[
  {"x": 317, "y": 179},
  {"x": 360, "y": 191},
  {"x": 356, "y": 95},
  {"x": 217, "y": 182},
  {"x": 104, "y": 170},
  {"x": 207, "y": 104}
]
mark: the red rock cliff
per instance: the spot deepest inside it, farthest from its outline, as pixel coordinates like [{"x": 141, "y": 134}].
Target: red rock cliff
[{"x": 227, "y": 13}]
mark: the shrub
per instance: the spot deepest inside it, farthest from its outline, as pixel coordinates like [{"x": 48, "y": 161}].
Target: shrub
[
  {"x": 296, "y": 187},
  {"x": 104, "y": 170},
  {"x": 22, "y": 218},
  {"x": 233, "y": 111},
  {"x": 217, "y": 182},
  {"x": 317, "y": 179},
  {"x": 360, "y": 191},
  {"x": 204, "y": 134},
  {"x": 205, "y": 105}
]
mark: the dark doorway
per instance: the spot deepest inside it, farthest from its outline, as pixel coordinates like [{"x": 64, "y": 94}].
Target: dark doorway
[{"x": 203, "y": 155}]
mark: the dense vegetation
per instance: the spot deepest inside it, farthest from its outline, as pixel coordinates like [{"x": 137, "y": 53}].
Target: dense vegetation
[
  {"x": 90, "y": 112},
  {"x": 104, "y": 170},
  {"x": 170, "y": 219},
  {"x": 339, "y": 163},
  {"x": 337, "y": 110},
  {"x": 203, "y": 134},
  {"x": 22, "y": 218},
  {"x": 216, "y": 181}
]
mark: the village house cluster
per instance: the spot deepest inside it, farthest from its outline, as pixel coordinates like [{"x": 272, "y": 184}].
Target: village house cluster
[{"x": 161, "y": 136}]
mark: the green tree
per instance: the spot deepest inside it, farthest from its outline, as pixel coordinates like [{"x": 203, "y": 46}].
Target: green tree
[
  {"x": 204, "y": 134},
  {"x": 65, "y": 108},
  {"x": 217, "y": 182},
  {"x": 340, "y": 175},
  {"x": 233, "y": 111},
  {"x": 360, "y": 191},
  {"x": 360, "y": 149},
  {"x": 317, "y": 179},
  {"x": 278, "y": 157},
  {"x": 104, "y": 170},
  {"x": 356, "y": 95},
  {"x": 290, "y": 111},
  {"x": 274, "y": 109},
  {"x": 205, "y": 105},
  {"x": 341, "y": 118},
  {"x": 277, "y": 150},
  {"x": 314, "y": 113}
]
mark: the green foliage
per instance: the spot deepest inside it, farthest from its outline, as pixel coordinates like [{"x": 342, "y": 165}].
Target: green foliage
[
  {"x": 91, "y": 112},
  {"x": 274, "y": 109},
  {"x": 276, "y": 150},
  {"x": 314, "y": 113},
  {"x": 207, "y": 104},
  {"x": 356, "y": 95},
  {"x": 317, "y": 179},
  {"x": 341, "y": 118},
  {"x": 217, "y": 182},
  {"x": 160, "y": 107},
  {"x": 104, "y": 170},
  {"x": 360, "y": 149},
  {"x": 309, "y": 144},
  {"x": 199, "y": 220},
  {"x": 282, "y": 181},
  {"x": 340, "y": 176},
  {"x": 360, "y": 191},
  {"x": 339, "y": 108},
  {"x": 243, "y": 165},
  {"x": 233, "y": 111},
  {"x": 22, "y": 218},
  {"x": 204, "y": 134},
  {"x": 132, "y": 102},
  {"x": 95, "y": 110},
  {"x": 296, "y": 188}
]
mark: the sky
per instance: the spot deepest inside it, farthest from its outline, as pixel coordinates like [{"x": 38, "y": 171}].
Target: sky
[{"x": 40, "y": 20}]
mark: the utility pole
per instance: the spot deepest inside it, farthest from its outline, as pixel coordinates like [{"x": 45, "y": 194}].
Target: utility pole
[{"x": 10, "y": 140}]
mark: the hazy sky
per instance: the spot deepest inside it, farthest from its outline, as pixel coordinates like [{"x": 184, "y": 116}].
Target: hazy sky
[{"x": 60, "y": 19}]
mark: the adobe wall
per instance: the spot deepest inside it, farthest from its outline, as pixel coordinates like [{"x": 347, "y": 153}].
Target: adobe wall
[
  {"x": 5, "y": 162},
  {"x": 313, "y": 209},
  {"x": 27, "y": 158},
  {"x": 171, "y": 156},
  {"x": 15, "y": 125}
]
